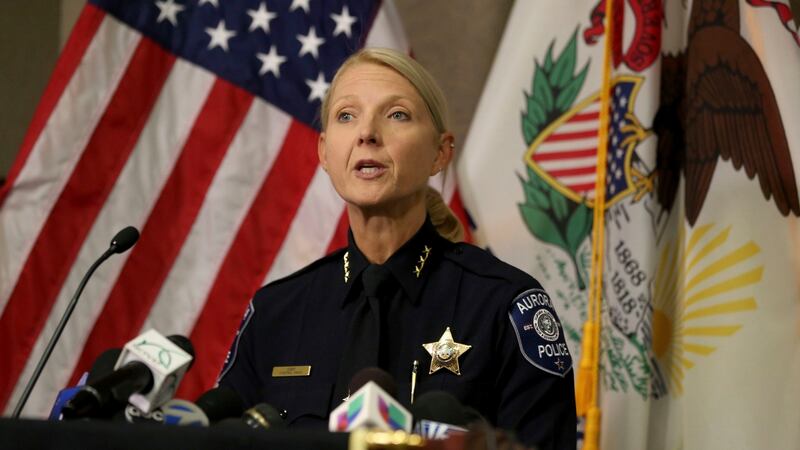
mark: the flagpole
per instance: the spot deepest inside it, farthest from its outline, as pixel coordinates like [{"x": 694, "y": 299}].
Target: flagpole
[{"x": 587, "y": 392}]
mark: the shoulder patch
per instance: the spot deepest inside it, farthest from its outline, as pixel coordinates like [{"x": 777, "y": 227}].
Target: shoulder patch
[
  {"x": 230, "y": 358},
  {"x": 539, "y": 333}
]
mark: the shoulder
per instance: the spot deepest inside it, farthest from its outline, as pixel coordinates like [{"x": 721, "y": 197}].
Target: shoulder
[
  {"x": 302, "y": 278},
  {"x": 481, "y": 263}
]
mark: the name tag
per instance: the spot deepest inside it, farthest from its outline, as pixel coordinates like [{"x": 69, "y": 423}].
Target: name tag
[{"x": 291, "y": 371}]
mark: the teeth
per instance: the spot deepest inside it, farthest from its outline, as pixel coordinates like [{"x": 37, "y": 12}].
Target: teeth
[{"x": 368, "y": 170}]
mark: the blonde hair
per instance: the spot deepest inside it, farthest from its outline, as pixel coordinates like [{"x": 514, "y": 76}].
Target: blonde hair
[
  {"x": 409, "y": 69},
  {"x": 442, "y": 217}
]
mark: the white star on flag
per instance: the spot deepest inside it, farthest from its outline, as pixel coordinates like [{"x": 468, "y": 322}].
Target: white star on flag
[
  {"x": 169, "y": 10},
  {"x": 344, "y": 22},
  {"x": 318, "y": 87},
  {"x": 212, "y": 2},
  {"x": 299, "y": 4},
  {"x": 261, "y": 17},
  {"x": 311, "y": 43},
  {"x": 219, "y": 36},
  {"x": 271, "y": 62}
]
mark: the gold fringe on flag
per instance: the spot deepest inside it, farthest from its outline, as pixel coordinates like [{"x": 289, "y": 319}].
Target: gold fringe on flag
[{"x": 587, "y": 398}]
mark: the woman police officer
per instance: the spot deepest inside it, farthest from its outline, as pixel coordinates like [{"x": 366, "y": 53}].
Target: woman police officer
[{"x": 404, "y": 289}]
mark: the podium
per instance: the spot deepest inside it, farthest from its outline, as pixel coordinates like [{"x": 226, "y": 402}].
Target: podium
[{"x": 39, "y": 434}]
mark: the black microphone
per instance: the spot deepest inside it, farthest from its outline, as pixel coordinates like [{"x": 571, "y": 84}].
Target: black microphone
[
  {"x": 211, "y": 407},
  {"x": 264, "y": 416},
  {"x": 379, "y": 376},
  {"x": 109, "y": 393},
  {"x": 103, "y": 365},
  {"x": 220, "y": 403},
  {"x": 97, "y": 399},
  {"x": 122, "y": 241}
]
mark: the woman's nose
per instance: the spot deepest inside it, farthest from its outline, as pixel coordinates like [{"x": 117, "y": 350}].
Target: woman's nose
[{"x": 369, "y": 133}]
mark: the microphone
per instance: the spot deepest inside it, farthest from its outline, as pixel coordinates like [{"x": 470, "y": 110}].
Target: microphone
[
  {"x": 103, "y": 365},
  {"x": 439, "y": 415},
  {"x": 183, "y": 413},
  {"x": 370, "y": 406},
  {"x": 122, "y": 241},
  {"x": 264, "y": 416},
  {"x": 379, "y": 376},
  {"x": 220, "y": 403},
  {"x": 147, "y": 374},
  {"x": 211, "y": 407}
]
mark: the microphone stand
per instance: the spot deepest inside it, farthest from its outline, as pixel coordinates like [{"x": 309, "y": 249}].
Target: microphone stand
[{"x": 117, "y": 246}]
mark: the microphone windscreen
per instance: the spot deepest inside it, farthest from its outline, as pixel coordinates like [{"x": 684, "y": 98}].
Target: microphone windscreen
[
  {"x": 220, "y": 403},
  {"x": 439, "y": 406},
  {"x": 103, "y": 365},
  {"x": 185, "y": 344},
  {"x": 376, "y": 375},
  {"x": 124, "y": 239}
]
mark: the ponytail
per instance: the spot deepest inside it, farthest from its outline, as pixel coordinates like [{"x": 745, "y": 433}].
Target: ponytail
[{"x": 442, "y": 217}]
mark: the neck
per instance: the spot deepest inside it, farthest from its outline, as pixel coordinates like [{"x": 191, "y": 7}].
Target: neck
[{"x": 379, "y": 235}]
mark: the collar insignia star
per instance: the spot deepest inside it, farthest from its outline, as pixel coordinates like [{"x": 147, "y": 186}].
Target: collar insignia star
[
  {"x": 423, "y": 257},
  {"x": 445, "y": 353},
  {"x": 346, "y": 262}
]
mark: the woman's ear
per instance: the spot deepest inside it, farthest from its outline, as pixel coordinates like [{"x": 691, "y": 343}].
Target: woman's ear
[
  {"x": 444, "y": 152},
  {"x": 323, "y": 160}
]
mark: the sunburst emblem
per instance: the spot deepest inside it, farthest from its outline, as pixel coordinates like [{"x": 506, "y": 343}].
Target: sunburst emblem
[{"x": 702, "y": 288}]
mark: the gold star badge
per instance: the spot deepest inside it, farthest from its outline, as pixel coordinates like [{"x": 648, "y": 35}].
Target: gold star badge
[{"x": 445, "y": 353}]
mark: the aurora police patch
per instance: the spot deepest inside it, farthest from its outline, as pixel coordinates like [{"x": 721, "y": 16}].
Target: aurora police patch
[
  {"x": 539, "y": 333},
  {"x": 231, "y": 356}
]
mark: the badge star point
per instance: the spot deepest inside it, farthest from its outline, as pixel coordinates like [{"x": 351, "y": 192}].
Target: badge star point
[
  {"x": 445, "y": 353},
  {"x": 260, "y": 18},
  {"x": 344, "y": 22},
  {"x": 214, "y": 3},
  {"x": 310, "y": 43},
  {"x": 168, "y": 10},
  {"x": 219, "y": 36},
  {"x": 271, "y": 62}
]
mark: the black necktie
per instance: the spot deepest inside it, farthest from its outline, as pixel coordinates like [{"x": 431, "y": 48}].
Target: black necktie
[{"x": 363, "y": 345}]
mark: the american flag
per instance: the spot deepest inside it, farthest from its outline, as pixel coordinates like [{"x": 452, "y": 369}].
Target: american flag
[
  {"x": 195, "y": 121},
  {"x": 568, "y": 153}
]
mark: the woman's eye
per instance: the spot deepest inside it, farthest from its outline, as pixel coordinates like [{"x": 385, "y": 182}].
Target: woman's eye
[
  {"x": 344, "y": 117},
  {"x": 399, "y": 115}
]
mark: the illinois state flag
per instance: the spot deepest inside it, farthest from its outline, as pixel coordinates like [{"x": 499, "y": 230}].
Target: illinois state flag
[
  {"x": 700, "y": 342},
  {"x": 196, "y": 122}
]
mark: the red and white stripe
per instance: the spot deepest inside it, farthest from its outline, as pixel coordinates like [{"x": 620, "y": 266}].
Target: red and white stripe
[
  {"x": 569, "y": 153},
  {"x": 224, "y": 187}
]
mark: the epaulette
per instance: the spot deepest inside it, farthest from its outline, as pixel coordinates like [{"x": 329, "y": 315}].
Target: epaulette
[
  {"x": 481, "y": 262},
  {"x": 335, "y": 255}
]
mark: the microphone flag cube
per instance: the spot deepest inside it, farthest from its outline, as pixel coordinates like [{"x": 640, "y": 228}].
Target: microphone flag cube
[
  {"x": 167, "y": 362},
  {"x": 370, "y": 407}
]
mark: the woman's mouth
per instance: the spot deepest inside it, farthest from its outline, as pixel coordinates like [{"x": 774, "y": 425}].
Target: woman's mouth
[{"x": 369, "y": 169}]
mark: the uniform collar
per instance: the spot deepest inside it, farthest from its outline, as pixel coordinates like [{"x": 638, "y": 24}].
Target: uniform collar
[{"x": 410, "y": 264}]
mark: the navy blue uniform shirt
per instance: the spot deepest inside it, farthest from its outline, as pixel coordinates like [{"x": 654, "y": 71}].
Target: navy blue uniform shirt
[{"x": 517, "y": 372}]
